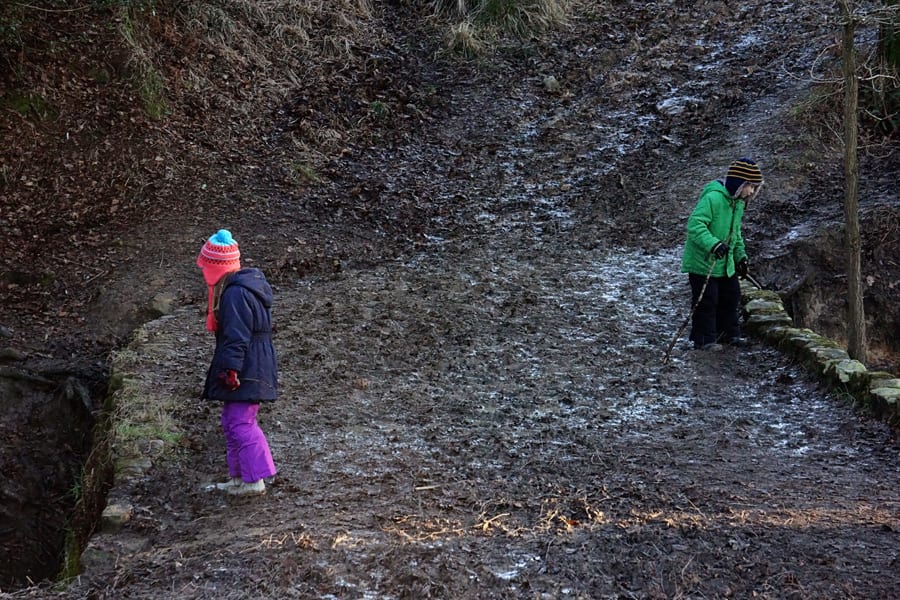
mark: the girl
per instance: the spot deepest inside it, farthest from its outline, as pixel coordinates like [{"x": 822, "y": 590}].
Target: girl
[{"x": 243, "y": 371}]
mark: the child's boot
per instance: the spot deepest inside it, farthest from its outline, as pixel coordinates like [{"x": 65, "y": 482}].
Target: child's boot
[
  {"x": 256, "y": 488},
  {"x": 233, "y": 482}
]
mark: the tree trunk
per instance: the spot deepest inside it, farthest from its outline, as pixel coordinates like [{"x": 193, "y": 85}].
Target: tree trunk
[
  {"x": 890, "y": 38},
  {"x": 856, "y": 319}
]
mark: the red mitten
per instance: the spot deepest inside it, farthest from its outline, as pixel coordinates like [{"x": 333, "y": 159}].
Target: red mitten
[{"x": 230, "y": 380}]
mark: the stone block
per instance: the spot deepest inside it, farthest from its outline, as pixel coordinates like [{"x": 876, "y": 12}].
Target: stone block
[
  {"x": 114, "y": 516},
  {"x": 823, "y": 355},
  {"x": 758, "y": 324},
  {"x": 850, "y": 373},
  {"x": 885, "y": 402},
  {"x": 104, "y": 552}
]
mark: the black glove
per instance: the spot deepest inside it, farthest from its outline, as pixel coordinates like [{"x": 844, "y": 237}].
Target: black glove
[
  {"x": 742, "y": 268},
  {"x": 720, "y": 250}
]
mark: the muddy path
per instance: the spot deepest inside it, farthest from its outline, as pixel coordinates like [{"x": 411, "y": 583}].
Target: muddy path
[
  {"x": 475, "y": 405},
  {"x": 495, "y": 422}
]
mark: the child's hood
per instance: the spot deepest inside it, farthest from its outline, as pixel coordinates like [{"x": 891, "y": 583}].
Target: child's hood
[
  {"x": 717, "y": 185},
  {"x": 253, "y": 280}
]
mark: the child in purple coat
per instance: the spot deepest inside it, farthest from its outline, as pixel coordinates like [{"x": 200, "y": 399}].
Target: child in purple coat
[{"x": 243, "y": 372}]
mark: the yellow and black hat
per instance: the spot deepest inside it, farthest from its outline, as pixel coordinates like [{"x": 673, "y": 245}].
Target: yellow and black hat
[{"x": 741, "y": 171}]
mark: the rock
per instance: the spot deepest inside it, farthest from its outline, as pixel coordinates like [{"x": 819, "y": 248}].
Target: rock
[
  {"x": 551, "y": 84},
  {"x": 162, "y": 304},
  {"x": 104, "y": 551},
  {"x": 885, "y": 402},
  {"x": 828, "y": 353},
  {"x": 758, "y": 323},
  {"x": 153, "y": 447},
  {"x": 11, "y": 354},
  {"x": 132, "y": 468},
  {"x": 115, "y": 516},
  {"x": 847, "y": 370}
]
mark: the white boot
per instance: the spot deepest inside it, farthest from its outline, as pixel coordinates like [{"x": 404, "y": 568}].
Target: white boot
[
  {"x": 233, "y": 482},
  {"x": 256, "y": 488}
]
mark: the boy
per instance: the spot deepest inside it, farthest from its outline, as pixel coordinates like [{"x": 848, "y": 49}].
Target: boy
[{"x": 714, "y": 256}]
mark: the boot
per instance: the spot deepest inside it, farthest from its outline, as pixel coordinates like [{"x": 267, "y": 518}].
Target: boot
[
  {"x": 256, "y": 488},
  {"x": 738, "y": 342},
  {"x": 233, "y": 482}
]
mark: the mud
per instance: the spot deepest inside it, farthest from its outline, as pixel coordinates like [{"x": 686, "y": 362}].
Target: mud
[{"x": 478, "y": 423}]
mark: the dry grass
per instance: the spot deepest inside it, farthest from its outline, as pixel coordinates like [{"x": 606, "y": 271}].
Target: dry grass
[
  {"x": 463, "y": 39},
  {"x": 522, "y": 18},
  {"x": 517, "y": 16},
  {"x": 485, "y": 20},
  {"x": 146, "y": 79},
  {"x": 271, "y": 41},
  {"x": 258, "y": 32},
  {"x": 137, "y": 416}
]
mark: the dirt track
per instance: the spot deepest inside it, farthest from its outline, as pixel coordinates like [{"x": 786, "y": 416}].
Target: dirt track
[
  {"x": 484, "y": 413},
  {"x": 481, "y": 423}
]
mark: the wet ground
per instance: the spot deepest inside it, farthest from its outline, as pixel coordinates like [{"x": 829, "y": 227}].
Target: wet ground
[
  {"x": 472, "y": 314},
  {"x": 480, "y": 422}
]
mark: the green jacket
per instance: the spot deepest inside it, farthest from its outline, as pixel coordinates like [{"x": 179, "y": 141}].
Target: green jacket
[{"x": 716, "y": 218}]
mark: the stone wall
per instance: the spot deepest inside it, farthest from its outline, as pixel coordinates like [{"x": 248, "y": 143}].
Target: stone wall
[{"x": 766, "y": 318}]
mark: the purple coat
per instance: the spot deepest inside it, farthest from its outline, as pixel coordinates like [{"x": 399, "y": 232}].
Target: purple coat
[{"x": 244, "y": 341}]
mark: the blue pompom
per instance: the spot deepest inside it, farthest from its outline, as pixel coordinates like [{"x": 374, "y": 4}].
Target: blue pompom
[{"x": 222, "y": 238}]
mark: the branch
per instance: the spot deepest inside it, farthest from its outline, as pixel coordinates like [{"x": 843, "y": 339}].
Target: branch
[
  {"x": 879, "y": 15},
  {"x": 53, "y": 10}
]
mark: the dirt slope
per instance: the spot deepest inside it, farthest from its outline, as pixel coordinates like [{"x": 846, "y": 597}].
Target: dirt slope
[{"x": 473, "y": 306}]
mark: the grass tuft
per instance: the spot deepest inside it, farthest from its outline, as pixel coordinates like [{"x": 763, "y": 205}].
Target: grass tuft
[
  {"x": 138, "y": 417},
  {"x": 304, "y": 172},
  {"x": 146, "y": 79},
  {"x": 521, "y": 17},
  {"x": 484, "y": 19},
  {"x": 463, "y": 39}
]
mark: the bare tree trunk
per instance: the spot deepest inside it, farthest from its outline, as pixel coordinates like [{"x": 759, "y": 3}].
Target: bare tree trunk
[
  {"x": 890, "y": 38},
  {"x": 856, "y": 319}
]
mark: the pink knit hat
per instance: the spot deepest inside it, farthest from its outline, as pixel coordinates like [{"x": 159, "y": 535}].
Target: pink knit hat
[{"x": 219, "y": 256}]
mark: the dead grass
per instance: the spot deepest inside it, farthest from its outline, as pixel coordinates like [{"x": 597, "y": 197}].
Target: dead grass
[
  {"x": 289, "y": 30},
  {"x": 138, "y": 416},
  {"x": 272, "y": 42},
  {"x": 522, "y": 18},
  {"x": 145, "y": 77},
  {"x": 463, "y": 38},
  {"x": 485, "y": 21}
]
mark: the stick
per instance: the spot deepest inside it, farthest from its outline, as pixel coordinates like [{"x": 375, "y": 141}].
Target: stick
[
  {"x": 691, "y": 314},
  {"x": 750, "y": 278}
]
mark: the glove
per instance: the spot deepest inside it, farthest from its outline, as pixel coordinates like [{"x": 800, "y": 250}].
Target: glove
[
  {"x": 720, "y": 250},
  {"x": 230, "y": 380},
  {"x": 742, "y": 268}
]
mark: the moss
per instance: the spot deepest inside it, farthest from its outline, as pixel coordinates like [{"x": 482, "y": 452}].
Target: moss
[{"x": 30, "y": 104}]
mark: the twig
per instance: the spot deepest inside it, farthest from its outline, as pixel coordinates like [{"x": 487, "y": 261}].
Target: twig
[
  {"x": 52, "y": 10},
  {"x": 98, "y": 275},
  {"x": 690, "y": 314}
]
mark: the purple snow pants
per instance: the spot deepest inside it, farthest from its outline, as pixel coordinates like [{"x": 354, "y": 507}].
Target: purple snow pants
[{"x": 247, "y": 450}]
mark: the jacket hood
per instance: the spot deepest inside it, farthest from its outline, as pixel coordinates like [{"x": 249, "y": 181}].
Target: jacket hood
[
  {"x": 717, "y": 185},
  {"x": 254, "y": 281}
]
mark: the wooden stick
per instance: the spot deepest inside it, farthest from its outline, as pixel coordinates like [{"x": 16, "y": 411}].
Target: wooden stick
[{"x": 691, "y": 314}]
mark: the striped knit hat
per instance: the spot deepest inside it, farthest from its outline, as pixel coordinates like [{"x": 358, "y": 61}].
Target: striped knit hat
[
  {"x": 741, "y": 171},
  {"x": 219, "y": 256}
]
